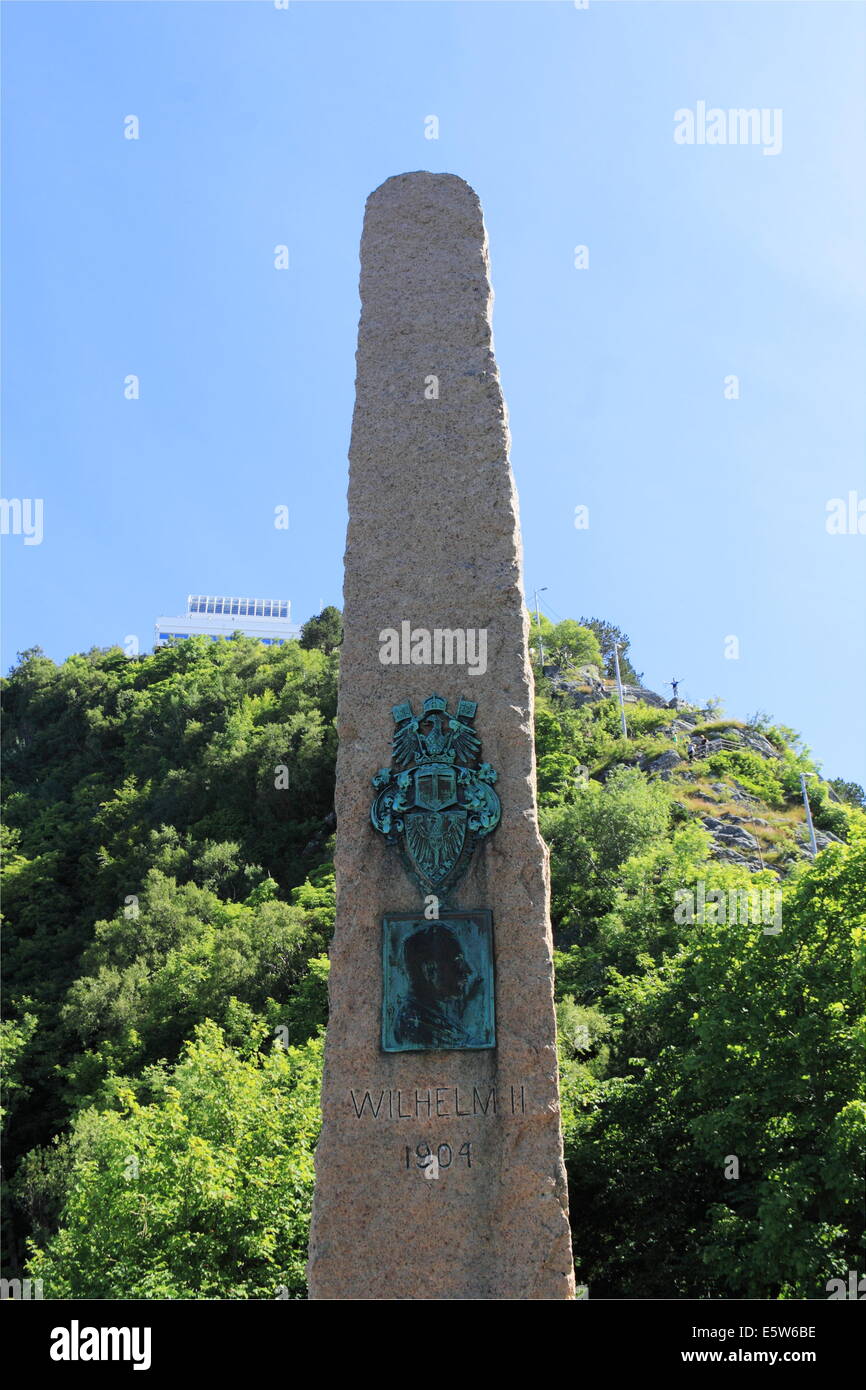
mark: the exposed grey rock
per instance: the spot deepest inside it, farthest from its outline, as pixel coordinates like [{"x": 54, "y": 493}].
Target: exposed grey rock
[
  {"x": 759, "y": 744},
  {"x": 730, "y": 834},
  {"x": 823, "y": 838},
  {"x": 608, "y": 771},
  {"x": 662, "y": 763},
  {"x": 730, "y": 856},
  {"x": 635, "y": 693},
  {"x": 734, "y": 792}
]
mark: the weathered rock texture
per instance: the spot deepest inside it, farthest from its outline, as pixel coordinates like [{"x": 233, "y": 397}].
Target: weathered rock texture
[{"x": 434, "y": 539}]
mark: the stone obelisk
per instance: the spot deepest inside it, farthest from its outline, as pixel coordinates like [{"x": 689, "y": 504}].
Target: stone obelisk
[{"x": 439, "y": 1172}]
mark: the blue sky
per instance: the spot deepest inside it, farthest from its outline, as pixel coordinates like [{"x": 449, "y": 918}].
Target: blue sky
[{"x": 262, "y": 126}]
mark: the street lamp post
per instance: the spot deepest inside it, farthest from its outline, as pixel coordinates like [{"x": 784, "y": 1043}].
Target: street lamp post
[
  {"x": 538, "y": 621},
  {"x": 808, "y": 812},
  {"x": 616, "y": 647}
]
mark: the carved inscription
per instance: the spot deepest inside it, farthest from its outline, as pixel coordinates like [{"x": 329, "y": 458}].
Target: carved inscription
[
  {"x": 439, "y": 1102},
  {"x": 432, "y": 1159}
]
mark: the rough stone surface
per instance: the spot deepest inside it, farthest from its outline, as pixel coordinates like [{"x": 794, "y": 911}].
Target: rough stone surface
[
  {"x": 822, "y": 838},
  {"x": 731, "y": 835},
  {"x": 759, "y": 744},
  {"x": 734, "y": 793},
  {"x": 729, "y": 856},
  {"x": 663, "y": 762},
  {"x": 434, "y": 539}
]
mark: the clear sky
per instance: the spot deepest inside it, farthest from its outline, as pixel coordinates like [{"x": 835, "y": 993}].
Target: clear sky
[{"x": 262, "y": 126}]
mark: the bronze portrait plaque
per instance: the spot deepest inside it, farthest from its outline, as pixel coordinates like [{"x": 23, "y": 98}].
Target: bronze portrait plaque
[{"x": 437, "y": 982}]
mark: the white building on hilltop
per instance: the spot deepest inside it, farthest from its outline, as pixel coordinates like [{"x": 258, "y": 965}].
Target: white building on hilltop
[{"x": 268, "y": 619}]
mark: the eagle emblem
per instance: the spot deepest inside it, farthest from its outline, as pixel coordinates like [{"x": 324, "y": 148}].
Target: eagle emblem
[{"x": 435, "y": 802}]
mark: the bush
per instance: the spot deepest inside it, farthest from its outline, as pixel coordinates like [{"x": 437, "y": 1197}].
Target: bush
[
  {"x": 756, "y": 774},
  {"x": 203, "y": 1192}
]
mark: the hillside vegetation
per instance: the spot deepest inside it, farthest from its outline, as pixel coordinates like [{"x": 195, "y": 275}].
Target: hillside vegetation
[{"x": 169, "y": 900}]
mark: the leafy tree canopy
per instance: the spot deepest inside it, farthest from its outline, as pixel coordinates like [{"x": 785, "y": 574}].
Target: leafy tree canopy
[{"x": 323, "y": 633}]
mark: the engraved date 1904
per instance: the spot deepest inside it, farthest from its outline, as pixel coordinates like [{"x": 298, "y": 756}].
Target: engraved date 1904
[{"x": 432, "y": 1159}]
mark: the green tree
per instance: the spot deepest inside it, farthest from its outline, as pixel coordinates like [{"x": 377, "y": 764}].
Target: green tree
[
  {"x": 202, "y": 1190},
  {"x": 147, "y": 979},
  {"x": 209, "y": 763},
  {"x": 590, "y": 838},
  {"x": 741, "y": 1046},
  {"x": 541, "y": 631},
  {"x": 574, "y": 645},
  {"x": 608, "y": 635},
  {"x": 851, "y": 792},
  {"x": 324, "y": 632}
]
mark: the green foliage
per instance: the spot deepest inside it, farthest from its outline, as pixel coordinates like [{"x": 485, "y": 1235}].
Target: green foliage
[
  {"x": 305, "y": 1012},
  {"x": 719, "y": 726},
  {"x": 186, "y": 955},
  {"x": 170, "y": 899},
  {"x": 201, "y": 1191},
  {"x": 851, "y": 792},
  {"x": 569, "y": 743},
  {"x": 324, "y": 632},
  {"x": 166, "y": 860},
  {"x": 590, "y": 838},
  {"x": 608, "y": 635},
  {"x": 756, "y": 774},
  {"x": 684, "y": 1045},
  {"x": 573, "y": 645},
  {"x": 14, "y": 1037},
  {"x": 739, "y": 1044},
  {"x": 646, "y": 719}
]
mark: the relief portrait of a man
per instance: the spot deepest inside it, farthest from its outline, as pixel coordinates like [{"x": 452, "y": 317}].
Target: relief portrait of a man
[{"x": 438, "y": 986}]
